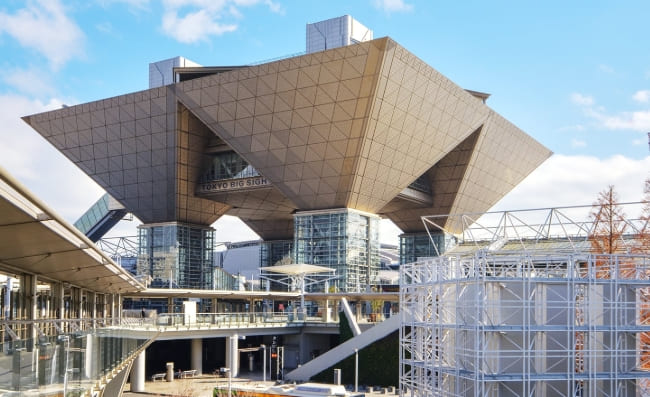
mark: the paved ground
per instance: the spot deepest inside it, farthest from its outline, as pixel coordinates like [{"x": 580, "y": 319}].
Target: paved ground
[{"x": 197, "y": 387}]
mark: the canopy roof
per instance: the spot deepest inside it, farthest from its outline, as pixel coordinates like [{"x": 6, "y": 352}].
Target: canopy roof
[
  {"x": 35, "y": 240},
  {"x": 296, "y": 269}
]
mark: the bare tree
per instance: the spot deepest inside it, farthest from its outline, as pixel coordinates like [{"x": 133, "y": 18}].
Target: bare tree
[
  {"x": 608, "y": 228},
  {"x": 609, "y": 223},
  {"x": 644, "y": 235}
]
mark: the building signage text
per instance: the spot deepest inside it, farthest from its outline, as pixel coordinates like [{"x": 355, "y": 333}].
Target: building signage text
[{"x": 234, "y": 184}]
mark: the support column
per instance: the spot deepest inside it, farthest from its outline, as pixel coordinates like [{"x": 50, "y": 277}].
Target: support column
[
  {"x": 101, "y": 302},
  {"x": 197, "y": 355},
  {"x": 357, "y": 310},
  {"x": 75, "y": 309},
  {"x": 6, "y": 309},
  {"x": 119, "y": 308},
  {"x": 232, "y": 354},
  {"x": 28, "y": 291},
  {"x": 88, "y": 358},
  {"x": 59, "y": 303},
  {"x": 92, "y": 301},
  {"x": 111, "y": 307},
  {"x": 137, "y": 373}
]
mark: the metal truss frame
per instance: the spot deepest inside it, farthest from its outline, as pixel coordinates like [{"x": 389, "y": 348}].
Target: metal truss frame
[{"x": 512, "y": 315}]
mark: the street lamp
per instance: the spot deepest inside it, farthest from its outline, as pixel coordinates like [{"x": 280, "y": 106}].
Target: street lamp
[
  {"x": 229, "y": 381},
  {"x": 356, "y": 370},
  {"x": 263, "y": 362}
]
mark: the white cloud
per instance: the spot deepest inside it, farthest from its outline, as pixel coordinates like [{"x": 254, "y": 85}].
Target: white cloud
[
  {"x": 632, "y": 120},
  {"x": 578, "y": 143},
  {"x": 105, "y": 27},
  {"x": 563, "y": 181},
  {"x": 642, "y": 96},
  {"x": 191, "y": 21},
  {"x": 193, "y": 27},
  {"x": 636, "y": 121},
  {"x": 37, "y": 164},
  {"x": 29, "y": 81},
  {"x": 576, "y": 127},
  {"x": 582, "y": 100},
  {"x": 576, "y": 180},
  {"x": 606, "y": 68},
  {"x": 43, "y": 26},
  {"x": 393, "y": 5},
  {"x": 134, "y": 4}
]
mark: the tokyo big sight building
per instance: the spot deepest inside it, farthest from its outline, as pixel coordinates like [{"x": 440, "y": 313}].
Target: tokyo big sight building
[{"x": 309, "y": 151}]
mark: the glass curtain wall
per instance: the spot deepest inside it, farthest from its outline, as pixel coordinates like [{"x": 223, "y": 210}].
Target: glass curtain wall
[
  {"x": 275, "y": 252},
  {"x": 419, "y": 245},
  {"x": 228, "y": 165},
  {"x": 176, "y": 255},
  {"x": 344, "y": 240}
]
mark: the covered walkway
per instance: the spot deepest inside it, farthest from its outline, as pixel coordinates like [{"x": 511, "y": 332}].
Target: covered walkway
[{"x": 59, "y": 293}]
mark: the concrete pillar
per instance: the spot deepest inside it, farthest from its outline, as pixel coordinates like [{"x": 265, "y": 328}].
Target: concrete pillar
[
  {"x": 83, "y": 307},
  {"x": 357, "y": 310},
  {"x": 111, "y": 308},
  {"x": 197, "y": 355},
  {"x": 326, "y": 312},
  {"x": 101, "y": 302},
  {"x": 6, "y": 309},
  {"x": 88, "y": 359},
  {"x": 92, "y": 301},
  {"x": 58, "y": 302},
  {"x": 75, "y": 309},
  {"x": 137, "y": 373},
  {"x": 232, "y": 354},
  {"x": 28, "y": 291},
  {"x": 119, "y": 308}
]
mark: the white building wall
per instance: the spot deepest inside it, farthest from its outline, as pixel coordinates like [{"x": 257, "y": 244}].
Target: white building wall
[
  {"x": 161, "y": 73},
  {"x": 335, "y": 32}
]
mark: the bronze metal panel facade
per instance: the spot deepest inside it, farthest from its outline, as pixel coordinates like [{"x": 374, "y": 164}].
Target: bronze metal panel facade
[{"x": 350, "y": 127}]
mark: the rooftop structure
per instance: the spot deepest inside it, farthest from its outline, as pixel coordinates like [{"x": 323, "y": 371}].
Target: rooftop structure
[
  {"x": 336, "y": 32},
  {"x": 524, "y": 308}
]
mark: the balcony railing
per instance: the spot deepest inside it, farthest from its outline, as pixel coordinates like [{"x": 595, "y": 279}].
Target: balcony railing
[
  {"x": 67, "y": 363},
  {"x": 179, "y": 321}
]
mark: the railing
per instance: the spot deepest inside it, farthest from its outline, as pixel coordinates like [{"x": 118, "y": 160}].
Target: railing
[
  {"x": 67, "y": 363},
  {"x": 229, "y": 320}
]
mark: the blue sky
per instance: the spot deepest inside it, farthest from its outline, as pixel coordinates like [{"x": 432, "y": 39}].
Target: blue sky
[{"x": 574, "y": 75}]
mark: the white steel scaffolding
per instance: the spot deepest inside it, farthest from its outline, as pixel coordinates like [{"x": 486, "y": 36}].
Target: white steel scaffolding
[{"x": 534, "y": 313}]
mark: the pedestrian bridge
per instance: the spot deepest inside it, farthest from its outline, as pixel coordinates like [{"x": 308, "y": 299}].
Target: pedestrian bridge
[{"x": 168, "y": 326}]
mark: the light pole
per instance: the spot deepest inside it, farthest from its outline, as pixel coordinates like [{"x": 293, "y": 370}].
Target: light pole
[
  {"x": 263, "y": 362},
  {"x": 356, "y": 370},
  {"x": 66, "y": 347},
  {"x": 229, "y": 382}
]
